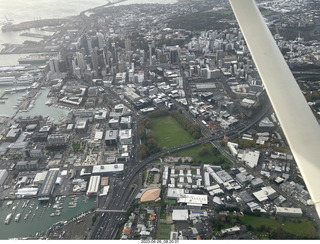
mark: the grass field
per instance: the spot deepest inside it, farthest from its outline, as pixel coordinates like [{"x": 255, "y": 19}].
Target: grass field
[
  {"x": 169, "y": 133},
  {"x": 303, "y": 229},
  {"x": 208, "y": 158},
  {"x": 164, "y": 232}
]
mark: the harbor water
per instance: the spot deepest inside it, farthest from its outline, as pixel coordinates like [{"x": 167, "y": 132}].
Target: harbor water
[
  {"x": 38, "y": 217},
  {"x": 39, "y": 108}
]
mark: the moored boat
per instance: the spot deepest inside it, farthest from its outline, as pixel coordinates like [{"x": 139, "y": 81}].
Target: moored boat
[{"x": 8, "y": 218}]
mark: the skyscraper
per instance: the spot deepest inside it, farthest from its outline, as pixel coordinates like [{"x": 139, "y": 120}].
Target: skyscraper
[
  {"x": 127, "y": 44},
  {"x": 152, "y": 50}
]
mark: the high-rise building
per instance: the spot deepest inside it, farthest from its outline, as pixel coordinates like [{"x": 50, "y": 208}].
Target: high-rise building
[
  {"x": 152, "y": 50},
  {"x": 174, "y": 55},
  {"x": 127, "y": 44},
  {"x": 80, "y": 60},
  {"x": 89, "y": 44},
  {"x": 95, "y": 59},
  {"x": 54, "y": 65},
  {"x": 101, "y": 41},
  {"x": 219, "y": 55}
]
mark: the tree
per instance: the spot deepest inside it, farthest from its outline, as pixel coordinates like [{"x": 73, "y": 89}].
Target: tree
[
  {"x": 215, "y": 151},
  {"x": 147, "y": 123},
  {"x": 142, "y": 152},
  {"x": 203, "y": 151},
  {"x": 150, "y": 135}
]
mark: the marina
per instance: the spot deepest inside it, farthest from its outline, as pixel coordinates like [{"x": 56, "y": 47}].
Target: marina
[
  {"x": 17, "y": 102},
  {"x": 42, "y": 215}
]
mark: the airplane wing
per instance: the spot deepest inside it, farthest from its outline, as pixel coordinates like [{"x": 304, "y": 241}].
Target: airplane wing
[{"x": 298, "y": 123}]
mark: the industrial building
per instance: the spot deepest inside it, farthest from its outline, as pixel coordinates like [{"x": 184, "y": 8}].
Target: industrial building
[
  {"x": 3, "y": 176},
  {"x": 111, "y": 137},
  {"x": 94, "y": 184},
  {"x": 48, "y": 184}
]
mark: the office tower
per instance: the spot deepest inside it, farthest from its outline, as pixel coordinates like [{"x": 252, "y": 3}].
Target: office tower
[
  {"x": 101, "y": 41},
  {"x": 127, "y": 44},
  {"x": 152, "y": 50}
]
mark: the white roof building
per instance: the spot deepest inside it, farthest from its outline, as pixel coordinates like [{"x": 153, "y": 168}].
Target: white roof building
[
  {"x": 250, "y": 158},
  {"x": 39, "y": 178},
  {"x": 233, "y": 148},
  {"x": 107, "y": 168},
  {"x": 3, "y": 176},
  {"x": 125, "y": 136},
  {"x": 27, "y": 192},
  {"x": 291, "y": 212},
  {"x": 180, "y": 214},
  {"x": 264, "y": 193},
  {"x": 193, "y": 199},
  {"x": 174, "y": 193},
  {"x": 94, "y": 184}
]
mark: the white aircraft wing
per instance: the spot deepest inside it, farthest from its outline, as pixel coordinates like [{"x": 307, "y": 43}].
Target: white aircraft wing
[{"x": 299, "y": 125}]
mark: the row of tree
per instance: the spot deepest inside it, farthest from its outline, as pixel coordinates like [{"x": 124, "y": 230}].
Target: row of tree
[
  {"x": 149, "y": 145},
  {"x": 193, "y": 129}
]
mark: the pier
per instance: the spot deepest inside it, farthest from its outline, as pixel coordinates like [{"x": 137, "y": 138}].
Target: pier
[{"x": 34, "y": 35}]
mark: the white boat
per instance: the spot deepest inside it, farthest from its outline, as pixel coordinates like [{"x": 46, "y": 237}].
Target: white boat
[
  {"x": 17, "y": 218},
  {"x": 9, "y": 203},
  {"x": 14, "y": 208},
  {"x": 8, "y": 218}
]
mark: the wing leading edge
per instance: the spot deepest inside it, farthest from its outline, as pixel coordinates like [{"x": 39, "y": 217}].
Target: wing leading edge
[{"x": 299, "y": 125}]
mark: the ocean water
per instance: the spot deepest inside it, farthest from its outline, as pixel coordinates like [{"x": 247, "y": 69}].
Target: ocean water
[
  {"x": 17, "y": 11},
  {"x": 22, "y": 10}
]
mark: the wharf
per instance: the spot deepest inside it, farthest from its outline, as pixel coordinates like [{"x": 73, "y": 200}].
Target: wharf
[
  {"x": 34, "y": 35},
  {"x": 33, "y": 24}
]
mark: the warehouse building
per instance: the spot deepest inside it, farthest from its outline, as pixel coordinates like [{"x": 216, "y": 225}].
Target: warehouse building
[
  {"x": 94, "y": 184},
  {"x": 48, "y": 184}
]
